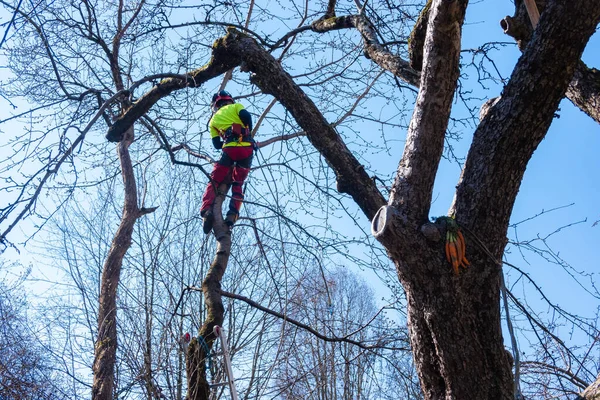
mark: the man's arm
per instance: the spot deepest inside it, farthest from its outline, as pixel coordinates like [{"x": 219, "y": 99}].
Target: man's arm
[
  {"x": 217, "y": 142},
  {"x": 246, "y": 118},
  {"x": 214, "y": 134}
]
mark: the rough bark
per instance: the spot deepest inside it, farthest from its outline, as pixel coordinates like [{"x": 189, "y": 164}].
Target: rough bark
[
  {"x": 502, "y": 146},
  {"x": 106, "y": 343},
  {"x": 413, "y": 185},
  {"x": 416, "y": 40},
  {"x": 592, "y": 392},
  {"x": 454, "y": 321},
  {"x": 584, "y": 88},
  {"x": 198, "y": 385}
]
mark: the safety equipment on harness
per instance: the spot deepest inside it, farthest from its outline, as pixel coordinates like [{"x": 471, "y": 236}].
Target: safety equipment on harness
[
  {"x": 237, "y": 133},
  {"x": 220, "y": 97}
]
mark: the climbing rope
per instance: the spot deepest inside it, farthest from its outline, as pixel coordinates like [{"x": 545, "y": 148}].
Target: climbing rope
[{"x": 208, "y": 359}]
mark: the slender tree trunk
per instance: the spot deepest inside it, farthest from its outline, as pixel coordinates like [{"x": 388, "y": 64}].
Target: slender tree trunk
[
  {"x": 198, "y": 385},
  {"x": 148, "y": 310},
  {"x": 106, "y": 344}
]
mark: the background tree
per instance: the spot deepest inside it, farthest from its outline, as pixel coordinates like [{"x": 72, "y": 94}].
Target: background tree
[
  {"x": 343, "y": 306},
  {"x": 27, "y": 371}
]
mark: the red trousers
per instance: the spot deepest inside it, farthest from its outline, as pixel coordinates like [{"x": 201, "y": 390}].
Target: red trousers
[{"x": 236, "y": 160}]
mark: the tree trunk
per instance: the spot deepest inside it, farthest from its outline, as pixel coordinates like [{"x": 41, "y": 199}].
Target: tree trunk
[
  {"x": 106, "y": 343},
  {"x": 592, "y": 392},
  {"x": 453, "y": 320}
]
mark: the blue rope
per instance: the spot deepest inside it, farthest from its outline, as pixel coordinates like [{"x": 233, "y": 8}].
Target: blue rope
[{"x": 207, "y": 352}]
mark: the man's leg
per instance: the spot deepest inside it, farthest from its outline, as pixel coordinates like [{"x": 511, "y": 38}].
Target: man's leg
[
  {"x": 219, "y": 173},
  {"x": 239, "y": 175},
  {"x": 237, "y": 194}
]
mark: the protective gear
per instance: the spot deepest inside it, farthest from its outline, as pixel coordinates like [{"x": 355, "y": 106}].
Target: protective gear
[
  {"x": 230, "y": 117},
  {"x": 219, "y": 98},
  {"x": 231, "y": 218},
  {"x": 236, "y": 160},
  {"x": 208, "y": 220},
  {"x": 231, "y": 131},
  {"x": 237, "y": 133}
]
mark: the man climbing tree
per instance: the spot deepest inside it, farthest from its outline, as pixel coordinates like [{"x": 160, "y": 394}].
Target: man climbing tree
[{"x": 230, "y": 130}]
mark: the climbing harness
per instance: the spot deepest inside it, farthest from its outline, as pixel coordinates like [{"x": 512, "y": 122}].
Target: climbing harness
[{"x": 236, "y": 133}]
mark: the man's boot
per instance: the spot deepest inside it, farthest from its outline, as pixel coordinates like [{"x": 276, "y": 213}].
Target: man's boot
[
  {"x": 231, "y": 218},
  {"x": 208, "y": 219}
]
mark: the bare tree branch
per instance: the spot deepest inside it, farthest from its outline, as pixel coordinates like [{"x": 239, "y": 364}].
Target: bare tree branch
[
  {"x": 306, "y": 327},
  {"x": 373, "y": 49},
  {"x": 52, "y": 170}
]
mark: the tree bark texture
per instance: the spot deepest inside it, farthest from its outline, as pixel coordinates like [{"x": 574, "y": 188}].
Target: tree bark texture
[
  {"x": 454, "y": 321},
  {"x": 106, "y": 343},
  {"x": 502, "y": 146},
  {"x": 584, "y": 88},
  {"x": 592, "y": 392},
  {"x": 412, "y": 188},
  {"x": 197, "y": 354},
  {"x": 416, "y": 40}
]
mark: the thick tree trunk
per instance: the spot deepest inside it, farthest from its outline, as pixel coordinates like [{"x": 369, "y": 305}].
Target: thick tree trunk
[
  {"x": 198, "y": 385},
  {"x": 453, "y": 321},
  {"x": 106, "y": 343}
]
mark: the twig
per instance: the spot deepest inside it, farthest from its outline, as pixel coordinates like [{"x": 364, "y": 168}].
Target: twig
[{"x": 52, "y": 171}]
